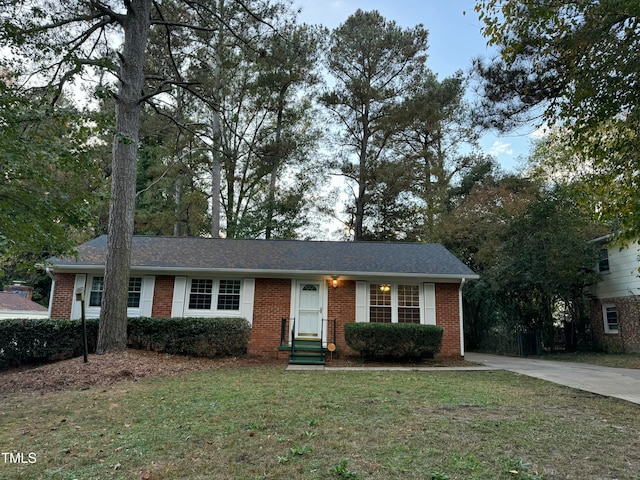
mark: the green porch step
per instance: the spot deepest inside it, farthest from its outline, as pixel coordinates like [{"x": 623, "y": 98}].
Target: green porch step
[{"x": 307, "y": 352}]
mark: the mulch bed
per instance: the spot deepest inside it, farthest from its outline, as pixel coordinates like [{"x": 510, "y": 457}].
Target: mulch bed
[
  {"x": 108, "y": 369},
  {"x": 132, "y": 365}
]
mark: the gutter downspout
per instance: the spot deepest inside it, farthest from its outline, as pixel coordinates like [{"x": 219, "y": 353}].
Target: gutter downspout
[{"x": 461, "y": 316}]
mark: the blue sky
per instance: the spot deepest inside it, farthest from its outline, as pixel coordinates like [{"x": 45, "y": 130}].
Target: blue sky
[{"x": 454, "y": 40}]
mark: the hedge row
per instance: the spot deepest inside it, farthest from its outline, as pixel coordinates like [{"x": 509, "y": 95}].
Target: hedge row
[
  {"x": 36, "y": 340},
  {"x": 198, "y": 337},
  {"x": 39, "y": 340},
  {"x": 393, "y": 340}
]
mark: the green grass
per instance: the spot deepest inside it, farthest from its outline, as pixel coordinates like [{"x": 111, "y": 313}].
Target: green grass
[
  {"x": 628, "y": 360},
  {"x": 265, "y": 423}
]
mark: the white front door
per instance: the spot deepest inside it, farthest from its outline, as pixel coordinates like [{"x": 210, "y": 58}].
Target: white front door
[{"x": 309, "y": 317}]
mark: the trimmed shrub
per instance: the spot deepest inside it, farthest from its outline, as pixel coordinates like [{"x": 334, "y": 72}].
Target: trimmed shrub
[
  {"x": 24, "y": 341},
  {"x": 198, "y": 337},
  {"x": 393, "y": 340},
  {"x": 40, "y": 340}
]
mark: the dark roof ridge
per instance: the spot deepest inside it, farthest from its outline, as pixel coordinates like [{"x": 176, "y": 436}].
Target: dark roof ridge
[{"x": 295, "y": 240}]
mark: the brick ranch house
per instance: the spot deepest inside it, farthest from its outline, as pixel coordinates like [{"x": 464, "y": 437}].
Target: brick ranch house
[{"x": 322, "y": 285}]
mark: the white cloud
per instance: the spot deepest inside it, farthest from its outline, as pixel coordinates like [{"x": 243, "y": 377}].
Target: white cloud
[{"x": 501, "y": 148}]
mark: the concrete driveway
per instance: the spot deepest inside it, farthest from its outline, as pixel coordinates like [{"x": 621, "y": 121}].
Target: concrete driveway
[{"x": 623, "y": 383}]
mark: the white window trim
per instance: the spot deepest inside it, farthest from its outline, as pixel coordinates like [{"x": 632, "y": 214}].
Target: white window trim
[
  {"x": 426, "y": 294},
  {"x": 213, "y": 311},
  {"x": 608, "y": 330},
  {"x": 608, "y": 270},
  {"x": 146, "y": 297}
]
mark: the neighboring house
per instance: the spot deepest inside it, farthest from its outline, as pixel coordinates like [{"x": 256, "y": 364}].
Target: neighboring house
[
  {"x": 15, "y": 302},
  {"x": 271, "y": 283},
  {"x": 615, "y": 313}
]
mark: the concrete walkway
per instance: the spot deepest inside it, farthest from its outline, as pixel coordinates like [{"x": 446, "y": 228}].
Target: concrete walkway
[{"x": 623, "y": 383}]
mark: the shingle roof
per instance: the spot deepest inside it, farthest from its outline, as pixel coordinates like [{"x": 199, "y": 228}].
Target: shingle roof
[
  {"x": 17, "y": 303},
  {"x": 196, "y": 253}
]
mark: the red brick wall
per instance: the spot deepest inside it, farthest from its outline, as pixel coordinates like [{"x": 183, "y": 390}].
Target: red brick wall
[
  {"x": 62, "y": 295},
  {"x": 342, "y": 307},
  {"x": 271, "y": 302},
  {"x": 448, "y": 317},
  {"x": 628, "y": 337},
  {"x": 162, "y": 296}
]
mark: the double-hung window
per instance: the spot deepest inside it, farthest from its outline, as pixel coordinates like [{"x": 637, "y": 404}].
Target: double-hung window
[
  {"x": 205, "y": 293},
  {"x": 394, "y": 303},
  {"x": 408, "y": 304},
  {"x": 97, "y": 287},
  {"x": 133, "y": 298},
  {"x": 603, "y": 260},
  {"x": 380, "y": 303},
  {"x": 610, "y": 314}
]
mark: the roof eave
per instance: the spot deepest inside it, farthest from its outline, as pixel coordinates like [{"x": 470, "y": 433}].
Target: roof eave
[{"x": 272, "y": 272}]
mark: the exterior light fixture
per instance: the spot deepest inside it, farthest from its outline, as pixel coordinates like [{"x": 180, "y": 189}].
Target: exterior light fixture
[{"x": 335, "y": 282}]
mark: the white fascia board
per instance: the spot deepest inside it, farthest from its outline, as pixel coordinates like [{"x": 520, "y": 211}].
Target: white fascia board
[{"x": 271, "y": 273}]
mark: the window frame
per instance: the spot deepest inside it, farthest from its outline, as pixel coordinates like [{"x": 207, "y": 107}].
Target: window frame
[
  {"x": 216, "y": 296},
  {"x": 395, "y": 301},
  {"x": 605, "y": 318},
  {"x": 93, "y": 310},
  {"x": 604, "y": 267}
]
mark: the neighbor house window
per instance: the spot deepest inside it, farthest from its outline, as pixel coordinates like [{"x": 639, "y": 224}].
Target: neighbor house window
[
  {"x": 133, "y": 299},
  {"x": 603, "y": 262},
  {"x": 394, "y": 303},
  {"x": 610, "y": 314},
  {"x": 206, "y": 292}
]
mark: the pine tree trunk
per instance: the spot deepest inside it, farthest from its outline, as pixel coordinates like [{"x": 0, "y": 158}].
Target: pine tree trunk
[
  {"x": 178, "y": 220},
  {"x": 276, "y": 160},
  {"x": 112, "y": 335}
]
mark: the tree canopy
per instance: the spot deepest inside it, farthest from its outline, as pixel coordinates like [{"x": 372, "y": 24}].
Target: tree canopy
[
  {"x": 213, "y": 114},
  {"x": 50, "y": 180},
  {"x": 573, "y": 65}
]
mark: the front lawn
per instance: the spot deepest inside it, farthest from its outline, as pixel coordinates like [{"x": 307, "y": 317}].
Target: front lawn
[
  {"x": 628, "y": 360},
  {"x": 263, "y": 422}
]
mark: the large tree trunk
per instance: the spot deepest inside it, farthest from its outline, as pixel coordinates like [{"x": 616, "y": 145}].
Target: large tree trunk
[
  {"x": 361, "y": 199},
  {"x": 178, "y": 217},
  {"x": 112, "y": 333}
]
